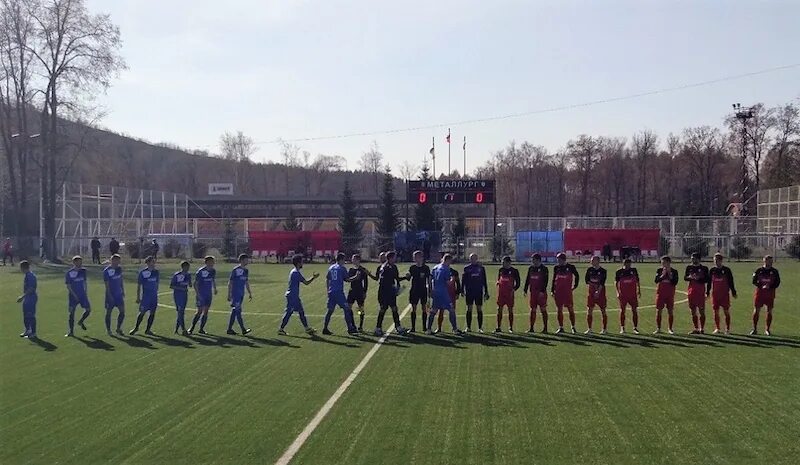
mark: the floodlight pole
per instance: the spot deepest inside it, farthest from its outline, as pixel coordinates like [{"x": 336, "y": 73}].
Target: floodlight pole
[{"x": 743, "y": 114}]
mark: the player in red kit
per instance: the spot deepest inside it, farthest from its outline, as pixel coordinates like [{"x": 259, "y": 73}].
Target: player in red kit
[
  {"x": 628, "y": 293},
  {"x": 507, "y": 282},
  {"x": 453, "y": 290},
  {"x": 720, "y": 287},
  {"x": 766, "y": 279},
  {"x": 565, "y": 280},
  {"x": 698, "y": 277},
  {"x": 596, "y": 296},
  {"x": 536, "y": 284},
  {"x": 666, "y": 281}
]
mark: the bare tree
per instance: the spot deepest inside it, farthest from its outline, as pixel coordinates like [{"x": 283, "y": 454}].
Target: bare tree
[
  {"x": 239, "y": 150},
  {"x": 16, "y": 74},
  {"x": 77, "y": 54},
  {"x": 583, "y": 153},
  {"x": 323, "y": 166},
  {"x": 408, "y": 170},
  {"x": 783, "y": 160},
  {"x": 372, "y": 163},
  {"x": 645, "y": 145},
  {"x": 290, "y": 155}
]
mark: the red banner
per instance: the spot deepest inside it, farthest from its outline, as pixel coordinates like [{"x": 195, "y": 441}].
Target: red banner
[
  {"x": 593, "y": 240},
  {"x": 282, "y": 242}
]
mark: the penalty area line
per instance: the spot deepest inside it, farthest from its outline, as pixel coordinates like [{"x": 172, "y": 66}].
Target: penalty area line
[{"x": 292, "y": 450}]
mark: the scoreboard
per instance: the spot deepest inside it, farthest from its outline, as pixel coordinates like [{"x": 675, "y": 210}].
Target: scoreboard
[{"x": 480, "y": 191}]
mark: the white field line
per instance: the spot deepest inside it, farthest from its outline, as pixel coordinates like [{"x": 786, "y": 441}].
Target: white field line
[{"x": 289, "y": 454}]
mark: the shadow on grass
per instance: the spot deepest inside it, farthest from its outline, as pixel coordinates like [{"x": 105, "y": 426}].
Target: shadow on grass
[
  {"x": 47, "y": 346},
  {"x": 271, "y": 342},
  {"x": 135, "y": 342},
  {"x": 94, "y": 343},
  {"x": 171, "y": 342},
  {"x": 764, "y": 342},
  {"x": 221, "y": 341}
]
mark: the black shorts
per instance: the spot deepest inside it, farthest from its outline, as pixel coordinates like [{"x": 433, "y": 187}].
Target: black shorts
[
  {"x": 356, "y": 297},
  {"x": 387, "y": 299},
  {"x": 416, "y": 297},
  {"x": 474, "y": 299}
]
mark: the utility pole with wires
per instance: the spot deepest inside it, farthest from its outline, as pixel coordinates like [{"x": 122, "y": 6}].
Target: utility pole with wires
[{"x": 743, "y": 114}]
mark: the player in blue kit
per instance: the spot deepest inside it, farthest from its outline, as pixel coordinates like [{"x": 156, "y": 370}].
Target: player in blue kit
[
  {"x": 115, "y": 293},
  {"x": 77, "y": 290},
  {"x": 293, "y": 302},
  {"x": 441, "y": 296},
  {"x": 205, "y": 286},
  {"x": 336, "y": 277},
  {"x": 28, "y": 299},
  {"x": 180, "y": 284},
  {"x": 237, "y": 284},
  {"x": 147, "y": 295}
]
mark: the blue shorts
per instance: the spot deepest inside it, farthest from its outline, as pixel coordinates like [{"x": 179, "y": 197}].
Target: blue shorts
[
  {"x": 236, "y": 301},
  {"x": 204, "y": 300},
  {"x": 181, "y": 301},
  {"x": 148, "y": 305},
  {"x": 441, "y": 302},
  {"x": 29, "y": 305},
  {"x": 81, "y": 300},
  {"x": 337, "y": 299},
  {"x": 112, "y": 301},
  {"x": 293, "y": 304}
]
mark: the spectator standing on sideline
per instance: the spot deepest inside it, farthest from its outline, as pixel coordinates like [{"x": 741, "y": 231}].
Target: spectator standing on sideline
[
  {"x": 8, "y": 251},
  {"x": 113, "y": 246},
  {"x": 95, "y": 245}
]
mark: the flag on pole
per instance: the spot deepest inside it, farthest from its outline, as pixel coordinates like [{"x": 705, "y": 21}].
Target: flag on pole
[
  {"x": 433, "y": 152},
  {"x": 465, "y": 143},
  {"x": 448, "y": 136}
]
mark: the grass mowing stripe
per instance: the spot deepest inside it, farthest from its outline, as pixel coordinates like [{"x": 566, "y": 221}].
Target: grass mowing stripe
[{"x": 312, "y": 425}]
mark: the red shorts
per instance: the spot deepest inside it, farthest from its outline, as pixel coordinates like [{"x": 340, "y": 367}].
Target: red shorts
[
  {"x": 505, "y": 300},
  {"x": 697, "y": 299},
  {"x": 723, "y": 301},
  {"x": 538, "y": 299},
  {"x": 564, "y": 300},
  {"x": 600, "y": 300},
  {"x": 764, "y": 299},
  {"x": 628, "y": 301},
  {"x": 667, "y": 301}
]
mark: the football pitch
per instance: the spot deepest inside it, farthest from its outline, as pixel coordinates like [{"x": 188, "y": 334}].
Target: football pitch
[{"x": 480, "y": 399}]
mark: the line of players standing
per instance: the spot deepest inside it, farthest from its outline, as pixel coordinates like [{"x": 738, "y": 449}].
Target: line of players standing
[
  {"x": 443, "y": 285},
  {"x": 147, "y": 293}
]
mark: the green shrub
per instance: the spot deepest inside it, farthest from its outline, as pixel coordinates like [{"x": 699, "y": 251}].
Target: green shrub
[{"x": 199, "y": 249}]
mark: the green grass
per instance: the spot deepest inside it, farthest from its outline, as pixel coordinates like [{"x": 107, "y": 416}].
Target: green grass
[{"x": 421, "y": 400}]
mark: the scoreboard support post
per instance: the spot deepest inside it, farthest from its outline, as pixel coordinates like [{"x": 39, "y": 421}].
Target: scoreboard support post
[{"x": 494, "y": 220}]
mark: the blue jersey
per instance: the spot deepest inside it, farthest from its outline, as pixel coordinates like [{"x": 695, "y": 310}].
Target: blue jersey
[
  {"x": 29, "y": 282},
  {"x": 239, "y": 277},
  {"x": 441, "y": 277},
  {"x": 204, "y": 280},
  {"x": 295, "y": 278},
  {"x": 113, "y": 277},
  {"x": 148, "y": 279},
  {"x": 75, "y": 278},
  {"x": 181, "y": 282},
  {"x": 336, "y": 275}
]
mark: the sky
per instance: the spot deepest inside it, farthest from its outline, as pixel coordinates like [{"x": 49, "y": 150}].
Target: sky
[{"x": 282, "y": 69}]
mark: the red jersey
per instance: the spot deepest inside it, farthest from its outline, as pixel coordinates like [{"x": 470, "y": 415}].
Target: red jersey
[
  {"x": 537, "y": 278},
  {"x": 507, "y": 282},
  {"x": 454, "y": 285},
  {"x": 666, "y": 282},
  {"x": 698, "y": 277},
  {"x": 565, "y": 279},
  {"x": 627, "y": 282}
]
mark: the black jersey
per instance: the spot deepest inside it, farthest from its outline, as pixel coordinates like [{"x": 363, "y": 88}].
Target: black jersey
[{"x": 420, "y": 276}]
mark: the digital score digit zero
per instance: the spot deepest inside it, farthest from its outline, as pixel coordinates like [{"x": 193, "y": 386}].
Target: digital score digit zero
[{"x": 451, "y": 192}]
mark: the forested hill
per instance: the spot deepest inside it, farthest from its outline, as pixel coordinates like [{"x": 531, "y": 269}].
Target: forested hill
[{"x": 112, "y": 159}]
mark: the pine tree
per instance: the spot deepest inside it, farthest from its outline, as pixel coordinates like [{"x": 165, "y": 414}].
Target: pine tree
[
  {"x": 291, "y": 223},
  {"x": 425, "y": 218},
  {"x": 389, "y": 218},
  {"x": 459, "y": 232},
  {"x": 349, "y": 225}
]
